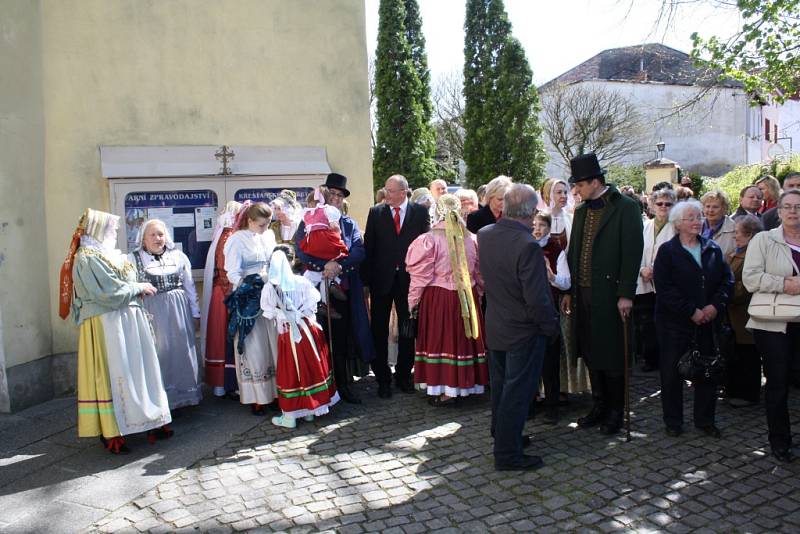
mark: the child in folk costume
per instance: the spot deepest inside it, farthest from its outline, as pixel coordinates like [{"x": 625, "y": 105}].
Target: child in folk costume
[
  {"x": 450, "y": 357},
  {"x": 560, "y": 281},
  {"x": 323, "y": 240},
  {"x": 217, "y": 348},
  {"x": 305, "y": 381},
  {"x": 120, "y": 391},
  {"x": 174, "y": 311}
]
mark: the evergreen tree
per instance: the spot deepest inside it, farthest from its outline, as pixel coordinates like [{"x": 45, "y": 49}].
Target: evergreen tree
[
  {"x": 503, "y": 135},
  {"x": 405, "y": 141},
  {"x": 416, "y": 40}
]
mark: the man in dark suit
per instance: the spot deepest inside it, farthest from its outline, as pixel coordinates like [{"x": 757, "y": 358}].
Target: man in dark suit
[
  {"x": 519, "y": 318},
  {"x": 605, "y": 253},
  {"x": 391, "y": 227}
]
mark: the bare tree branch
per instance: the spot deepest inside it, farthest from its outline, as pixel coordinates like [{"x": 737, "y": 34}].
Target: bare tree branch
[{"x": 578, "y": 119}]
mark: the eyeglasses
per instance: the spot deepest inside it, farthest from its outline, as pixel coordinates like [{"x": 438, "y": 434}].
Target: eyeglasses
[
  {"x": 393, "y": 191},
  {"x": 662, "y": 204},
  {"x": 692, "y": 219},
  {"x": 334, "y": 193},
  {"x": 791, "y": 207}
]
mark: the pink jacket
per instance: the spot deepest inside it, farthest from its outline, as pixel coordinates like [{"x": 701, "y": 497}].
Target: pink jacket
[{"x": 428, "y": 263}]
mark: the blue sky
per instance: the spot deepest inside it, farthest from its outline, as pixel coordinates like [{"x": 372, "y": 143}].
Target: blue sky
[{"x": 559, "y": 35}]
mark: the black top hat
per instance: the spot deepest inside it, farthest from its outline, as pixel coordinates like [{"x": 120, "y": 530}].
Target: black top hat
[
  {"x": 585, "y": 167},
  {"x": 337, "y": 181}
]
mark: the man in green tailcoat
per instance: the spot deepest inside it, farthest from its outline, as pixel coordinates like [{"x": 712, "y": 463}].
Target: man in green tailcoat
[{"x": 605, "y": 252}]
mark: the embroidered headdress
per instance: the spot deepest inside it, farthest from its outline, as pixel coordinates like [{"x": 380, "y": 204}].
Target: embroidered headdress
[{"x": 447, "y": 210}]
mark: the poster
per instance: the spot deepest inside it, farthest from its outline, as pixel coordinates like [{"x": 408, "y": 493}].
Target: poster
[
  {"x": 204, "y": 219},
  {"x": 185, "y": 214},
  {"x": 267, "y": 194}
]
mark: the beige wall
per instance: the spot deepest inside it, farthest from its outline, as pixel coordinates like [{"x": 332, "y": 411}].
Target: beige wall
[
  {"x": 25, "y": 332},
  {"x": 177, "y": 72}
]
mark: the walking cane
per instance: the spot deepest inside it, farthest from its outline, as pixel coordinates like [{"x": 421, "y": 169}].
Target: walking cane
[
  {"x": 627, "y": 380},
  {"x": 328, "y": 311}
]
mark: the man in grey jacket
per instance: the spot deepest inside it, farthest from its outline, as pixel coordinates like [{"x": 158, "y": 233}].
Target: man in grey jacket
[{"x": 519, "y": 317}]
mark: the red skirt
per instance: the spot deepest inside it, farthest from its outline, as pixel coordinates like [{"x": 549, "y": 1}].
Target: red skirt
[
  {"x": 446, "y": 361},
  {"x": 305, "y": 388},
  {"x": 216, "y": 334}
]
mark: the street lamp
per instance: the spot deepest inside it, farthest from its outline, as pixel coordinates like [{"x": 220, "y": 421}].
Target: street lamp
[{"x": 660, "y": 146}]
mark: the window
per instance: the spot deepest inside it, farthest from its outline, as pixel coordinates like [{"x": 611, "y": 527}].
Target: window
[{"x": 767, "y": 130}]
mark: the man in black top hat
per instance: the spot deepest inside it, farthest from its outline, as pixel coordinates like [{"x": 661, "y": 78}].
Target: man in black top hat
[
  {"x": 354, "y": 319},
  {"x": 605, "y": 252}
]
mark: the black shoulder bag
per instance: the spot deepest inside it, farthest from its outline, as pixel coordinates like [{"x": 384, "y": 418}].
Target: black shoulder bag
[{"x": 696, "y": 366}]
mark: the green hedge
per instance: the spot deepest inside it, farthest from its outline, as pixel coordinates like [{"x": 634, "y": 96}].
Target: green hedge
[{"x": 738, "y": 178}]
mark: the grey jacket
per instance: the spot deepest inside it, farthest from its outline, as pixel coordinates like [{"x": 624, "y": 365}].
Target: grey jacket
[{"x": 519, "y": 304}]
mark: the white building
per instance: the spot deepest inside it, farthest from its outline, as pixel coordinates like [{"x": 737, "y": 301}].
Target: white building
[{"x": 717, "y": 133}]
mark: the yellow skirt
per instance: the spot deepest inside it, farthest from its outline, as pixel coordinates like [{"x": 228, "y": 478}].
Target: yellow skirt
[{"x": 95, "y": 404}]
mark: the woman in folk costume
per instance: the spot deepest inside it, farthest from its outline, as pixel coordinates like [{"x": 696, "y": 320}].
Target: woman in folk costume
[
  {"x": 558, "y": 201},
  {"x": 305, "y": 381},
  {"x": 217, "y": 348},
  {"x": 445, "y": 286},
  {"x": 173, "y": 309},
  {"x": 119, "y": 381},
  {"x": 287, "y": 215},
  {"x": 247, "y": 254}
]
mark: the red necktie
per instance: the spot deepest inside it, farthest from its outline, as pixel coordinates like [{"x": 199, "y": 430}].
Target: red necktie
[{"x": 397, "y": 220}]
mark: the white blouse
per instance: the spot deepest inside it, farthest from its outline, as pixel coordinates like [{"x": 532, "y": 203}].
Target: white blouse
[
  {"x": 561, "y": 222},
  {"x": 246, "y": 253},
  {"x": 171, "y": 262},
  {"x": 305, "y": 297}
]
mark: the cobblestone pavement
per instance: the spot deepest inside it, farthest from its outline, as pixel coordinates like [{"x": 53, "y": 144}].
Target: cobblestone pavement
[{"x": 401, "y": 466}]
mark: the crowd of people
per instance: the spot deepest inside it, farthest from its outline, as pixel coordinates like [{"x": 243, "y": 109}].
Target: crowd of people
[{"x": 532, "y": 295}]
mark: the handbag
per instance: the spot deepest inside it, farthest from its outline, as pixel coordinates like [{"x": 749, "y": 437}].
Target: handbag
[
  {"x": 408, "y": 326},
  {"x": 778, "y": 307},
  {"x": 696, "y": 366}
]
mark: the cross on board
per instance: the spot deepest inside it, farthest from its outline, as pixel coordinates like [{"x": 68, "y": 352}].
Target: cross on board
[{"x": 224, "y": 154}]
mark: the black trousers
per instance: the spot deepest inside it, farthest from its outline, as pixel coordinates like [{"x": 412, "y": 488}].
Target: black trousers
[
  {"x": 781, "y": 356},
  {"x": 551, "y": 371},
  {"x": 744, "y": 373},
  {"x": 674, "y": 342},
  {"x": 645, "y": 327},
  {"x": 381, "y": 309},
  {"x": 340, "y": 328},
  {"x": 608, "y": 387}
]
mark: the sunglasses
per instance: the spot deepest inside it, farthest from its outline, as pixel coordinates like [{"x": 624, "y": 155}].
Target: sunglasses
[{"x": 662, "y": 204}]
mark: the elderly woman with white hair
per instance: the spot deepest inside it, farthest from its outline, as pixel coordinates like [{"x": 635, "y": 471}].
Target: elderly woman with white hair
[
  {"x": 174, "y": 311},
  {"x": 450, "y": 360},
  {"x": 717, "y": 224},
  {"x": 493, "y": 207},
  {"x": 469, "y": 201},
  {"x": 693, "y": 284},
  {"x": 119, "y": 380}
]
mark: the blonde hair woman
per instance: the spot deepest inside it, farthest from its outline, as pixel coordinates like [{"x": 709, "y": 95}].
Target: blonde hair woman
[{"x": 493, "y": 204}]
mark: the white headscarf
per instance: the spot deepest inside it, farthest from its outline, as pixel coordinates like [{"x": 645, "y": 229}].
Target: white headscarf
[
  {"x": 100, "y": 233},
  {"x": 282, "y": 277},
  {"x": 169, "y": 243},
  {"x": 225, "y": 219}
]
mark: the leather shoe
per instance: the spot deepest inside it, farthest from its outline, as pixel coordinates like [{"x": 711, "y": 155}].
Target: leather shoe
[
  {"x": 710, "y": 431},
  {"x": 526, "y": 441},
  {"x": 384, "y": 391},
  {"x": 526, "y": 463},
  {"x": 550, "y": 415},
  {"x": 673, "y": 431},
  {"x": 406, "y": 387},
  {"x": 782, "y": 455},
  {"x": 612, "y": 424},
  {"x": 595, "y": 417},
  {"x": 348, "y": 396}
]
